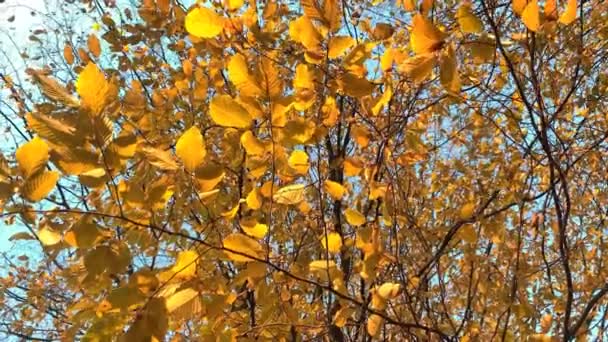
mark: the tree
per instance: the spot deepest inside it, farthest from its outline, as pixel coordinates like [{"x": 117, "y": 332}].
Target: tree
[{"x": 319, "y": 170}]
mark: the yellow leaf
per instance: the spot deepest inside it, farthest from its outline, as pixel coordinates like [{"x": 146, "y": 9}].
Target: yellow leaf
[
  {"x": 94, "y": 178},
  {"x": 468, "y": 233},
  {"x": 185, "y": 265},
  {"x": 424, "y": 36},
  {"x": 233, "y": 5},
  {"x": 226, "y": 112},
  {"x": 467, "y": 210},
  {"x": 468, "y": 22},
  {"x": 383, "y": 100},
  {"x": 341, "y": 317},
  {"x": 448, "y": 71},
  {"x": 303, "y": 31},
  {"x": 361, "y": 135},
  {"x": 352, "y": 167},
  {"x": 569, "y": 14},
  {"x": 290, "y": 194},
  {"x": 48, "y": 237},
  {"x": 551, "y": 10},
  {"x": 254, "y": 229},
  {"x": 39, "y": 185},
  {"x": 387, "y": 59},
  {"x": 254, "y": 200},
  {"x": 334, "y": 241},
  {"x": 419, "y": 67},
  {"x": 253, "y": 146},
  {"x": 376, "y": 190},
  {"x": 242, "y": 246},
  {"x": 531, "y": 16},
  {"x": 180, "y": 298},
  {"x": 374, "y": 323},
  {"x": 321, "y": 265},
  {"x": 334, "y": 189},
  {"x": 519, "y": 5},
  {"x": 190, "y": 148},
  {"x": 409, "y": 5},
  {"x": 203, "y": 22},
  {"x": 93, "y": 45},
  {"x": 389, "y": 290},
  {"x": 338, "y": 46},
  {"x": 354, "y": 85},
  {"x": 240, "y": 76},
  {"x": 160, "y": 158},
  {"x": 82, "y": 235},
  {"x": 230, "y": 214},
  {"x": 32, "y": 156},
  {"x": 298, "y": 160},
  {"x": 93, "y": 88},
  {"x": 209, "y": 176},
  {"x": 354, "y": 217}
]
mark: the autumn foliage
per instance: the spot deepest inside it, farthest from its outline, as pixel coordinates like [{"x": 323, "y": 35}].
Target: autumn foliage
[{"x": 312, "y": 170}]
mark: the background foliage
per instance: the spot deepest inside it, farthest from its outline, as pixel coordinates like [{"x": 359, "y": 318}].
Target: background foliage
[{"x": 334, "y": 170}]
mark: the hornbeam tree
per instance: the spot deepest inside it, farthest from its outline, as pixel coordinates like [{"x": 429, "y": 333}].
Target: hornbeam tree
[{"x": 313, "y": 170}]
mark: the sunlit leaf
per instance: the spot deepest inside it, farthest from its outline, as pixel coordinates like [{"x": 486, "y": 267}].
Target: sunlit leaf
[
  {"x": 569, "y": 15},
  {"x": 225, "y": 111},
  {"x": 203, "y": 22},
  {"x": 190, "y": 148},
  {"x": 241, "y": 248},
  {"x": 333, "y": 242},
  {"x": 32, "y": 156},
  {"x": 531, "y": 16},
  {"x": 39, "y": 185}
]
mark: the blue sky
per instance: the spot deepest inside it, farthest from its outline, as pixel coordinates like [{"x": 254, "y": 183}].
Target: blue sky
[{"x": 17, "y": 30}]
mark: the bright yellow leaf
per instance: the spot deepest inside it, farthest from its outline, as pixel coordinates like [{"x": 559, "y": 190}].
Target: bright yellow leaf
[
  {"x": 298, "y": 160},
  {"x": 185, "y": 265},
  {"x": 519, "y": 5},
  {"x": 338, "y": 46},
  {"x": 226, "y": 112},
  {"x": 531, "y": 16},
  {"x": 240, "y": 76},
  {"x": 254, "y": 200},
  {"x": 333, "y": 243},
  {"x": 389, "y": 290},
  {"x": 48, "y": 237},
  {"x": 32, "y": 156},
  {"x": 93, "y": 88},
  {"x": 467, "y": 210},
  {"x": 354, "y": 217},
  {"x": 424, "y": 36},
  {"x": 254, "y": 229},
  {"x": 304, "y": 32},
  {"x": 334, "y": 189},
  {"x": 190, "y": 148},
  {"x": 569, "y": 14},
  {"x": 253, "y": 146},
  {"x": 203, "y": 22},
  {"x": 551, "y": 10},
  {"x": 39, "y": 185}
]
